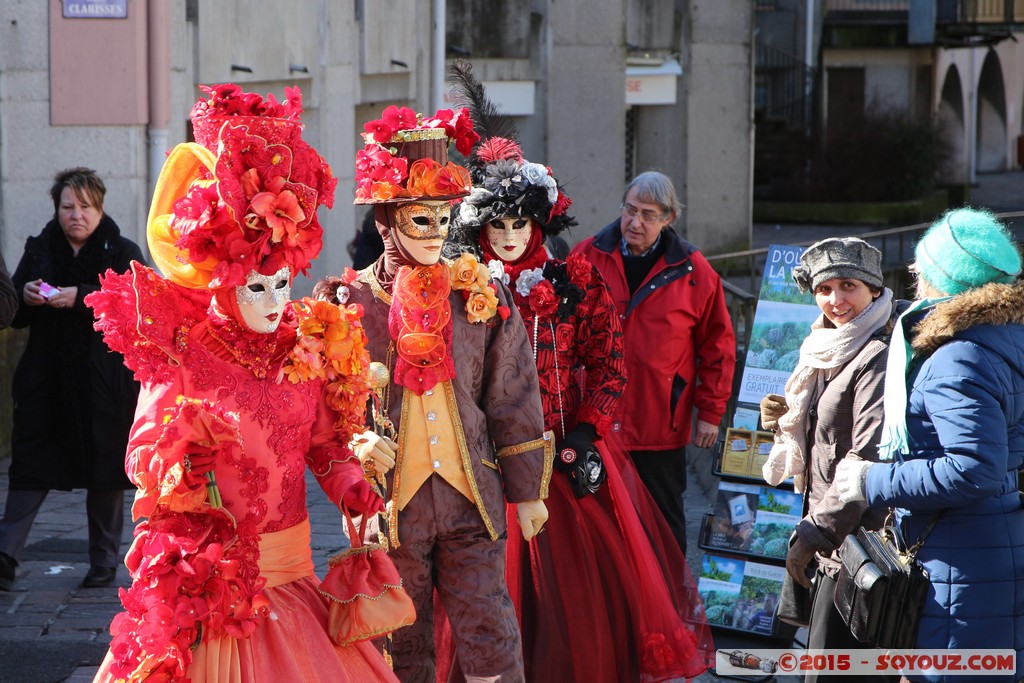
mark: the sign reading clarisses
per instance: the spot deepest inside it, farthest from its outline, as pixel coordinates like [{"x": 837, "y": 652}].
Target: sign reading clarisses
[{"x": 95, "y": 9}]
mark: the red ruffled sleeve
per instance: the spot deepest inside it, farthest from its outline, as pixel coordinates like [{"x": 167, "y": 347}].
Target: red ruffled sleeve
[
  {"x": 334, "y": 465},
  {"x": 143, "y": 316}
]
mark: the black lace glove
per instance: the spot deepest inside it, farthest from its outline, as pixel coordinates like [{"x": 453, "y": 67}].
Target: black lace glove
[{"x": 580, "y": 461}]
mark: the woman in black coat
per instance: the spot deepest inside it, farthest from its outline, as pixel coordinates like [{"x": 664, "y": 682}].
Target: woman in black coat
[{"x": 74, "y": 401}]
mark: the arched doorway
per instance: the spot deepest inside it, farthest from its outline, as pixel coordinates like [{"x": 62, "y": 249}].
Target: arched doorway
[
  {"x": 949, "y": 119},
  {"x": 991, "y": 117}
]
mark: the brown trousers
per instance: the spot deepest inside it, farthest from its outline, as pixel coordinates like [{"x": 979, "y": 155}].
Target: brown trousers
[{"x": 444, "y": 544}]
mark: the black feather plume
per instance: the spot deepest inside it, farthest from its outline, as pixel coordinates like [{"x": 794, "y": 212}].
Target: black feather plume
[{"x": 469, "y": 92}]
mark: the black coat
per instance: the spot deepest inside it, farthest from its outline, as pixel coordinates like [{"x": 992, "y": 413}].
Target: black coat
[
  {"x": 74, "y": 400},
  {"x": 8, "y": 296}
]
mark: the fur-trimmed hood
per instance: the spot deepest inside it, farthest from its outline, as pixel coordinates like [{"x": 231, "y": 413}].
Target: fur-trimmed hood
[{"x": 993, "y": 304}]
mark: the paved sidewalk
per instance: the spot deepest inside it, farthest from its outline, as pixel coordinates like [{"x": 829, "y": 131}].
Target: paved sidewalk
[{"x": 53, "y": 630}]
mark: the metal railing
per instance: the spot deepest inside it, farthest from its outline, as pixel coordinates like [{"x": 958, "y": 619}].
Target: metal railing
[
  {"x": 980, "y": 11},
  {"x": 867, "y": 5},
  {"x": 785, "y": 86},
  {"x": 896, "y": 245},
  {"x": 948, "y": 11}
]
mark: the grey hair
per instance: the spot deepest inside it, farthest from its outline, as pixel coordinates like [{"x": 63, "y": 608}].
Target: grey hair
[{"x": 655, "y": 188}]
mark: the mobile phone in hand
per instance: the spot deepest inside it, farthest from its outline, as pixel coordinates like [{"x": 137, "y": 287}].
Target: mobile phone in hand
[{"x": 46, "y": 291}]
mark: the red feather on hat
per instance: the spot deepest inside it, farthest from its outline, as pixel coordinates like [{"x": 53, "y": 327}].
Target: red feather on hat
[{"x": 496, "y": 149}]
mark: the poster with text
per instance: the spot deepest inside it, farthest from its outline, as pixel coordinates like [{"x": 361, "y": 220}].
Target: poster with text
[
  {"x": 753, "y": 519},
  {"x": 782, "y": 320},
  {"x": 719, "y": 586}
]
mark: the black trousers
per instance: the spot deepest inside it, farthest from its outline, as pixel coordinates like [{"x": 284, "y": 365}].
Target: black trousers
[
  {"x": 664, "y": 475},
  {"x": 826, "y": 630},
  {"x": 104, "y": 514}
]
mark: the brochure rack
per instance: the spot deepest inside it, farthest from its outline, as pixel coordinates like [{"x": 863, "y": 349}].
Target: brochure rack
[{"x": 745, "y": 538}]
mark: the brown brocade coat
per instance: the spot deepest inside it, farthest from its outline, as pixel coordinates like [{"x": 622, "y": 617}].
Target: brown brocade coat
[
  {"x": 440, "y": 540},
  {"x": 498, "y": 398}
]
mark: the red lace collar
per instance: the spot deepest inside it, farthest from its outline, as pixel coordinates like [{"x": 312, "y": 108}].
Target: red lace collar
[{"x": 259, "y": 353}]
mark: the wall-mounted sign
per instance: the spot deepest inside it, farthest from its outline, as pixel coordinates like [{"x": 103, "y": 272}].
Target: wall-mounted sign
[
  {"x": 511, "y": 98},
  {"x": 652, "y": 84},
  {"x": 95, "y": 9}
]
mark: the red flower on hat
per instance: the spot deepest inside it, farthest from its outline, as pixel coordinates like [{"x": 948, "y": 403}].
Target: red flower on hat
[
  {"x": 282, "y": 214},
  {"x": 458, "y": 126},
  {"x": 560, "y": 206},
  {"x": 392, "y": 120},
  {"x": 257, "y": 205},
  {"x": 378, "y": 165},
  {"x": 382, "y": 174}
]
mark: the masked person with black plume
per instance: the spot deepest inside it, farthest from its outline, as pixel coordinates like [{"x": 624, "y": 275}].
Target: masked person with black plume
[{"x": 593, "y": 601}]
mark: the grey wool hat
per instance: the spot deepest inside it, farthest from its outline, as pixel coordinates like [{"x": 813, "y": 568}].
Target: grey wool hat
[{"x": 838, "y": 257}]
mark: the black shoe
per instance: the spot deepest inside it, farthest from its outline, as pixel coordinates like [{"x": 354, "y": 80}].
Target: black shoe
[
  {"x": 99, "y": 577},
  {"x": 7, "y": 565}
]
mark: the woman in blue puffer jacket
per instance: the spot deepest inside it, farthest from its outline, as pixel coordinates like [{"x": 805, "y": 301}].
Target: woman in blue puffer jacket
[{"x": 955, "y": 428}]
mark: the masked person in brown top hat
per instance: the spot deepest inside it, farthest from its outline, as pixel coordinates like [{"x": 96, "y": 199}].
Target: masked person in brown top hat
[{"x": 463, "y": 397}]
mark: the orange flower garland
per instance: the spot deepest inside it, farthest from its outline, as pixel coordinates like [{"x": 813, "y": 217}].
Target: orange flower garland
[
  {"x": 473, "y": 279},
  {"x": 331, "y": 345}
]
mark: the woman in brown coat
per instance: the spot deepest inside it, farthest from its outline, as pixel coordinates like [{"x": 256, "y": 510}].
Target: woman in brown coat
[{"x": 832, "y": 410}]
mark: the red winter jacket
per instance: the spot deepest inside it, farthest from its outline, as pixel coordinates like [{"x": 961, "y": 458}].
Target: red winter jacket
[{"x": 676, "y": 331}]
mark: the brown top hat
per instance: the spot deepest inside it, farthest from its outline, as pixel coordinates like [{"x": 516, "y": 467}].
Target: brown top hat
[{"x": 406, "y": 157}]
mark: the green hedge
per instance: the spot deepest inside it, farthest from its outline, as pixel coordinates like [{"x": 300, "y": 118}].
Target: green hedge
[{"x": 908, "y": 212}]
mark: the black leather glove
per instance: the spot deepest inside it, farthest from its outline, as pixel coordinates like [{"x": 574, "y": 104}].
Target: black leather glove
[{"x": 580, "y": 461}]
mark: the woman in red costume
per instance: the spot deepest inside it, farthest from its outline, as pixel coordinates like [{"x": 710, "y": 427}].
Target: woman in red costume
[
  {"x": 593, "y": 597},
  {"x": 242, "y": 390}
]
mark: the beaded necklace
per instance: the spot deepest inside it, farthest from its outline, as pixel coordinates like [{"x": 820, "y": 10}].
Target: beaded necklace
[{"x": 558, "y": 379}]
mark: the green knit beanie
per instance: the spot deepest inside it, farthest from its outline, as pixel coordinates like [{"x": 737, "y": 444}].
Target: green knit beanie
[{"x": 967, "y": 248}]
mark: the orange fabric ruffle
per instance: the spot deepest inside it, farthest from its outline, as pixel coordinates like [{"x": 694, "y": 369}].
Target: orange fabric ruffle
[
  {"x": 291, "y": 644},
  {"x": 186, "y": 164}
]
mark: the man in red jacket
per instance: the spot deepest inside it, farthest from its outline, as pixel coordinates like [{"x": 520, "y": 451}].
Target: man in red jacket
[{"x": 679, "y": 342}]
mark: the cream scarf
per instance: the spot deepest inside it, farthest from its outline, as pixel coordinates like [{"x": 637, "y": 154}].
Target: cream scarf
[{"x": 822, "y": 355}]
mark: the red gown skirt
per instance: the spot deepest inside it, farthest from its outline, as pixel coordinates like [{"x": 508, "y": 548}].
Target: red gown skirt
[
  {"x": 292, "y": 643},
  {"x": 601, "y": 594}
]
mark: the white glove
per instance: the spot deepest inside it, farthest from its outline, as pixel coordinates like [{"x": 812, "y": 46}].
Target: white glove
[
  {"x": 849, "y": 480},
  {"x": 531, "y": 516},
  {"x": 376, "y": 453}
]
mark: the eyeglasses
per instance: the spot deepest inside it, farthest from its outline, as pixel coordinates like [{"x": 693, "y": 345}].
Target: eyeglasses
[{"x": 647, "y": 216}]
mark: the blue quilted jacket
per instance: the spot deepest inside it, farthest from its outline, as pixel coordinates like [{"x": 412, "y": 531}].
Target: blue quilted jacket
[{"x": 965, "y": 418}]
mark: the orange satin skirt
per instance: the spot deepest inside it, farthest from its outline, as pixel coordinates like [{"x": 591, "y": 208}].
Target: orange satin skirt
[{"x": 291, "y": 643}]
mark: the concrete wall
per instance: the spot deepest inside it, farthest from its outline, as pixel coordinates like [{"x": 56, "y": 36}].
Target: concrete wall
[
  {"x": 32, "y": 150},
  {"x": 986, "y": 134},
  {"x": 586, "y": 116},
  {"x": 361, "y": 56},
  {"x": 719, "y": 144}
]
